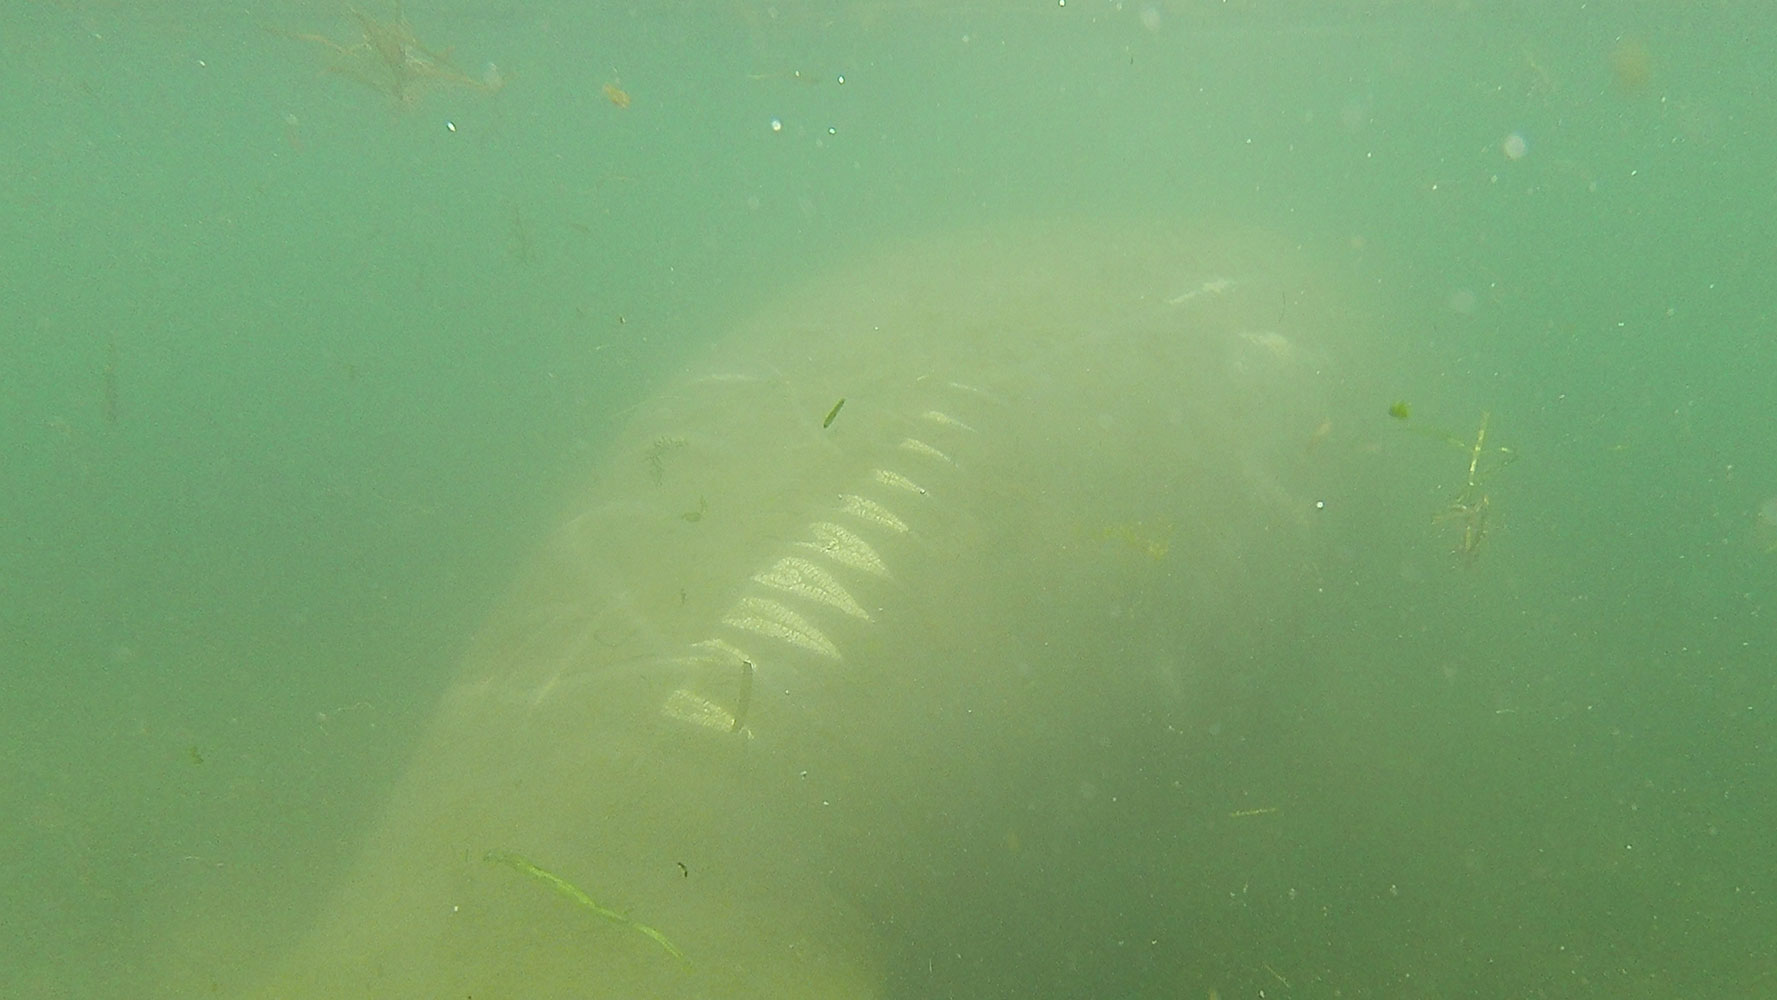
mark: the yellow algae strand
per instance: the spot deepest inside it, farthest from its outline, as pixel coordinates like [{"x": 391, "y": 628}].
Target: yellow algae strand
[{"x": 564, "y": 887}]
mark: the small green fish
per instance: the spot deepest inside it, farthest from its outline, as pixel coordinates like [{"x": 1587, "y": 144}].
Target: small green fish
[{"x": 834, "y": 412}]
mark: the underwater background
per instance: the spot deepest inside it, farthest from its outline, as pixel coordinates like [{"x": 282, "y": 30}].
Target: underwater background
[{"x": 305, "y": 352}]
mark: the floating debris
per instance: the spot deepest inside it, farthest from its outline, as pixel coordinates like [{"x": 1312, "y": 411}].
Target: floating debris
[
  {"x": 388, "y": 58},
  {"x": 1470, "y": 510},
  {"x": 694, "y": 516},
  {"x": 518, "y": 243},
  {"x": 575, "y": 893},
  {"x": 108, "y": 379},
  {"x": 743, "y": 700},
  {"x": 655, "y": 456},
  {"x": 1150, "y": 538}
]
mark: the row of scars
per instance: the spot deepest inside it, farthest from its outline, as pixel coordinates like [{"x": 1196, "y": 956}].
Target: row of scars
[{"x": 806, "y": 581}]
